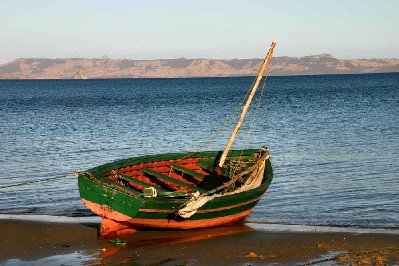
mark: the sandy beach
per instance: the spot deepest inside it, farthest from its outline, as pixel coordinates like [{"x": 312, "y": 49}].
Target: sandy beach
[{"x": 33, "y": 242}]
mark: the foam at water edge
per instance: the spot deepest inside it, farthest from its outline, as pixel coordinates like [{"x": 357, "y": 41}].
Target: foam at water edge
[
  {"x": 74, "y": 258},
  {"x": 50, "y": 218},
  {"x": 319, "y": 229}
]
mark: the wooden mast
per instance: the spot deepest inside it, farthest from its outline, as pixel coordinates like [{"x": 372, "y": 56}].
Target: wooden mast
[{"x": 246, "y": 106}]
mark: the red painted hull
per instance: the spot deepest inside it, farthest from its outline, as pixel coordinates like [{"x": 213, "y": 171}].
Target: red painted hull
[{"x": 115, "y": 223}]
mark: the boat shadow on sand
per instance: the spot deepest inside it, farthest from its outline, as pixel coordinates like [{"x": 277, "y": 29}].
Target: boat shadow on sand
[{"x": 125, "y": 248}]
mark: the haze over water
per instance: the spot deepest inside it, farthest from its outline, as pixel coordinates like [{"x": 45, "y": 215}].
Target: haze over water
[{"x": 334, "y": 139}]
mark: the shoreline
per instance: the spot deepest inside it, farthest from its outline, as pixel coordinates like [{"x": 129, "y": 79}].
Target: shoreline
[
  {"x": 263, "y": 226},
  {"x": 45, "y": 242},
  {"x": 198, "y": 77}
]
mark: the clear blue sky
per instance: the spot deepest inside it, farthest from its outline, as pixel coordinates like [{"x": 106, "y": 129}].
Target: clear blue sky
[{"x": 151, "y": 29}]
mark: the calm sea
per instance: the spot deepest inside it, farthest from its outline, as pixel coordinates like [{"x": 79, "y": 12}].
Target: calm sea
[{"x": 334, "y": 140}]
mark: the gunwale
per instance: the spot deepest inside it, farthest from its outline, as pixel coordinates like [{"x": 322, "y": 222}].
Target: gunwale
[{"x": 101, "y": 169}]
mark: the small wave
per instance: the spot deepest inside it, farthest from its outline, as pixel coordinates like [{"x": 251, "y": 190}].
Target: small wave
[
  {"x": 320, "y": 229},
  {"x": 74, "y": 258},
  {"x": 50, "y": 218}
]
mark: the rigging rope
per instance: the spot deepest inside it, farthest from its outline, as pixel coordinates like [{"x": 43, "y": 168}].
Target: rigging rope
[
  {"x": 223, "y": 127},
  {"x": 206, "y": 144},
  {"x": 255, "y": 113},
  {"x": 256, "y": 109},
  {"x": 238, "y": 108},
  {"x": 35, "y": 181}
]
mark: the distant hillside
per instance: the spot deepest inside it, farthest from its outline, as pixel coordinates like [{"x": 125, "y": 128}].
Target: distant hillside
[{"x": 40, "y": 68}]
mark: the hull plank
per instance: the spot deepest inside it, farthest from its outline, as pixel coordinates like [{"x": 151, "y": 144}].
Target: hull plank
[{"x": 116, "y": 224}]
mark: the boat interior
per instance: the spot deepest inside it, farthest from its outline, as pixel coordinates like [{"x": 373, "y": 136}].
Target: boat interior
[{"x": 178, "y": 177}]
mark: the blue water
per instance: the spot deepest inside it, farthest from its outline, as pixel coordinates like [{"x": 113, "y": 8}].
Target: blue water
[{"x": 334, "y": 139}]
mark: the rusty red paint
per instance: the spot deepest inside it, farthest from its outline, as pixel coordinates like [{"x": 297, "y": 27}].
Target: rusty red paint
[{"x": 124, "y": 220}]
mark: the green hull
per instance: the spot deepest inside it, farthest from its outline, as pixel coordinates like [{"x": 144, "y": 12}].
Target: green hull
[{"x": 125, "y": 203}]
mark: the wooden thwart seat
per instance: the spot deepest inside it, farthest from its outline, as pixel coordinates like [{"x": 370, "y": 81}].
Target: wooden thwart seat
[
  {"x": 171, "y": 180},
  {"x": 117, "y": 186},
  {"x": 189, "y": 172},
  {"x": 140, "y": 183}
]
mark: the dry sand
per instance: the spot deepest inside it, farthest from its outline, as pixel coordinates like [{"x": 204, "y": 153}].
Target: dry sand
[{"x": 27, "y": 242}]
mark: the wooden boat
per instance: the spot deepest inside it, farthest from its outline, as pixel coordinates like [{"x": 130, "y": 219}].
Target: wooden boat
[{"x": 179, "y": 190}]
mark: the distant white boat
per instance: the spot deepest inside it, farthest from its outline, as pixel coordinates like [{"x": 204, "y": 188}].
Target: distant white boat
[{"x": 80, "y": 75}]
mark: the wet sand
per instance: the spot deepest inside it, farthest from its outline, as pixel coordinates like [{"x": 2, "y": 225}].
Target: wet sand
[{"x": 77, "y": 243}]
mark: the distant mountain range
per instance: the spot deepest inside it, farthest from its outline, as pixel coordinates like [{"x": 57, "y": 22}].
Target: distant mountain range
[{"x": 67, "y": 68}]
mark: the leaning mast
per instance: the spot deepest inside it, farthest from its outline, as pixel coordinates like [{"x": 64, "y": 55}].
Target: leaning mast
[{"x": 246, "y": 106}]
